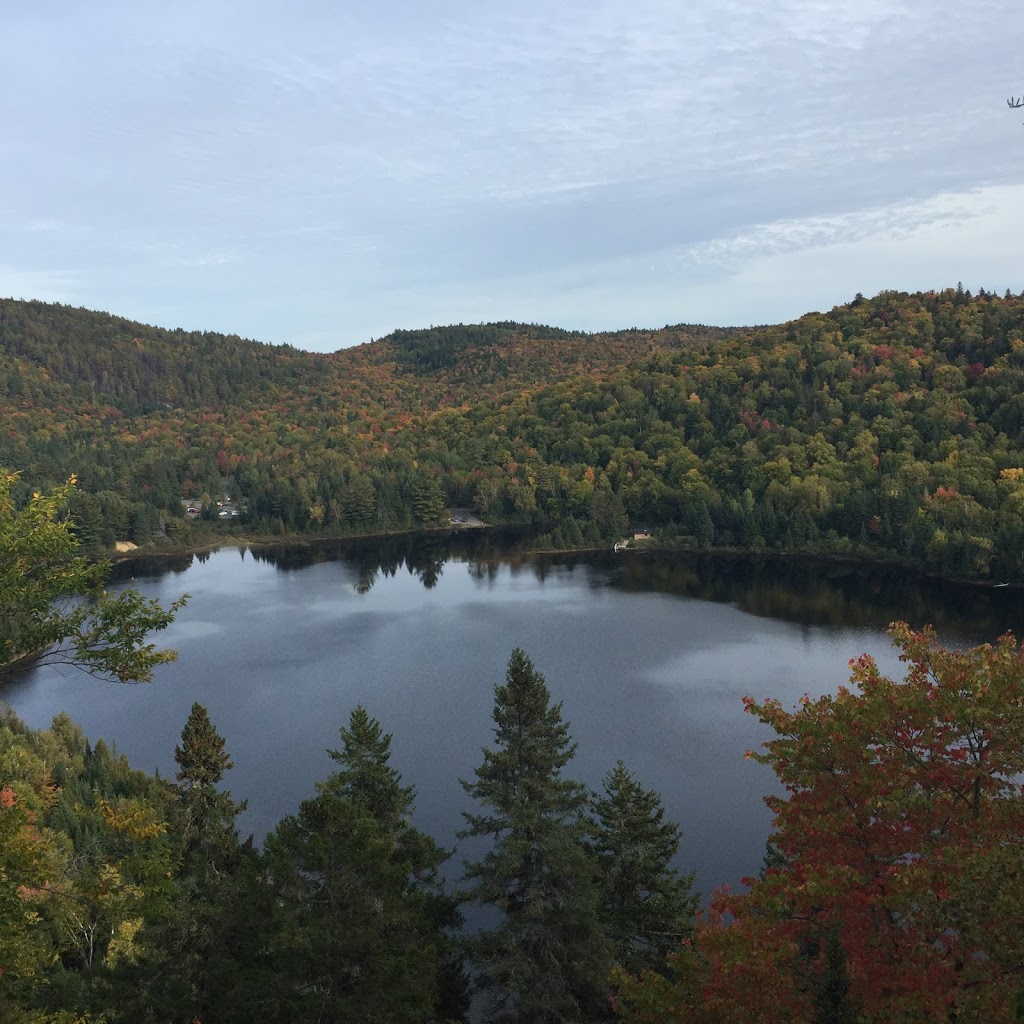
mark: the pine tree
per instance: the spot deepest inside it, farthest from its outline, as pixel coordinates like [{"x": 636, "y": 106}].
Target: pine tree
[
  {"x": 428, "y": 501},
  {"x": 647, "y": 906},
  {"x": 547, "y": 961}
]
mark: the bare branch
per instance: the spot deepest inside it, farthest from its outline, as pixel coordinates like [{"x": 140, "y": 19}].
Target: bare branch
[{"x": 1015, "y": 102}]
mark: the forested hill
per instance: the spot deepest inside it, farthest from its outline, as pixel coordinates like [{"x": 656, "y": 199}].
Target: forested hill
[
  {"x": 525, "y": 353},
  {"x": 135, "y": 367},
  {"x": 889, "y": 426}
]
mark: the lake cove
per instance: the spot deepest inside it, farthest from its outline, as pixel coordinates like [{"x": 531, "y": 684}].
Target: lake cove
[{"x": 650, "y": 654}]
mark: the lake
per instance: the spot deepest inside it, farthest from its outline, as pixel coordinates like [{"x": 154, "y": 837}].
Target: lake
[{"x": 650, "y": 653}]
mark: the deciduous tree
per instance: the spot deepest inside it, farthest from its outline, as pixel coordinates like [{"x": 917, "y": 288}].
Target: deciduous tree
[
  {"x": 53, "y": 604},
  {"x": 899, "y": 888}
]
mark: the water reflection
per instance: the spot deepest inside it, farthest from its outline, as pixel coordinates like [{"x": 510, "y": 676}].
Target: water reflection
[{"x": 790, "y": 589}]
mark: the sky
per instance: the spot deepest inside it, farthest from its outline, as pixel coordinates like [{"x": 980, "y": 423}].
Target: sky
[{"x": 320, "y": 173}]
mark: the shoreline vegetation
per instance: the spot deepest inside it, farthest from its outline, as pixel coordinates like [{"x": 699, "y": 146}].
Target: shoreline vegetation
[
  {"x": 650, "y": 547},
  {"x": 888, "y": 429},
  {"x": 126, "y": 895}
]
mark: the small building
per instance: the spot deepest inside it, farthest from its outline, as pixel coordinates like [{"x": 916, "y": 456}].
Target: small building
[{"x": 641, "y": 535}]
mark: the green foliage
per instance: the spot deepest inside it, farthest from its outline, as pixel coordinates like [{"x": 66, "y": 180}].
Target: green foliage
[
  {"x": 359, "y": 922},
  {"x": 201, "y": 758},
  {"x": 189, "y": 950},
  {"x": 547, "y": 960},
  {"x": 428, "y": 501},
  {"x": 53, "y": 605},
  {"x": 207, "y": 814},
  {"x": 86, "y": 867},
  {"x": 25, "y": 865},
  {"x": 366, "y": 776},
  {"x": 892, "y": 427},
  {"x": 647, "y": 906},
  {"x": 126, "y": 898},
  {"x": 187, "y": 956}
]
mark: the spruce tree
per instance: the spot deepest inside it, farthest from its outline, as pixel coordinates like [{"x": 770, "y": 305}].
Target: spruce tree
[
  {"x": 208, "y": 825},
  {"x": 647, "y": 906},
  {"x": 188, "y": 954},
  {"x": 547, "y": 961},
  {"x": 361, "y": 920},
  {"x": 366, "y": 776}
]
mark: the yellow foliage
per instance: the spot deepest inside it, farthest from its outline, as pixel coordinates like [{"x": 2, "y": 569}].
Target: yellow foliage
[
  {"x": 135, "y": 818},
  {"x": 122, "y": 945}
]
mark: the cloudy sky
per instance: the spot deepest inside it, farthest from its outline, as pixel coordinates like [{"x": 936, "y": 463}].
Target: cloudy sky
[{"x": 322, "y": 172}]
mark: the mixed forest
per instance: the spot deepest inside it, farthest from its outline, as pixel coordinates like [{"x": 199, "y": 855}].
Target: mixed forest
[
  {"x": 891, "y": 888},
  {"x": 127, "y": 897},
  {"x": 890, "y": 428}
]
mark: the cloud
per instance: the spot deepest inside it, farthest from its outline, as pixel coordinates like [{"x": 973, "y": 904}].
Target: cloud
[
  {"x": 889, "y": 222},
  {"x": 292, "y": 173}
]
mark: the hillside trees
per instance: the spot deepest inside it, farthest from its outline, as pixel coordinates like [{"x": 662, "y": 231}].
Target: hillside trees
[
  {"x": 27, "y": 859},
  {"x": 833, "y": 433},
  {"x": 87, "y": 867},
  {"x": 898, "y": 891}
]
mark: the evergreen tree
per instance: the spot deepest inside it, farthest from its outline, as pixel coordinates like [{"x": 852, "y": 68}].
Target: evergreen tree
[
  {"x": 832, "y": 1004},
  {"x": 188, "y": 953},
  {"x": 366, "y": 776},
  {"x": 428, "y": 501},
  {"x": 360, "y": 930},
  {"x": 647, "y": 905},
  {"x": 208, "y": 826},
  {"x": 547, "y": 961}
]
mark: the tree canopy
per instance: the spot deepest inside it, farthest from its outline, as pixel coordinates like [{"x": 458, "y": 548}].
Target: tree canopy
[
  {"x": 897, "y": 890},
  {"x": 888, "y": 427},
  {"x": 53, "y": 602}
]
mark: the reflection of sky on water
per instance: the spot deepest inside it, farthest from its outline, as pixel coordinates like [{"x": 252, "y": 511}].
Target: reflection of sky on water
[{"x": 648, "y": 670}]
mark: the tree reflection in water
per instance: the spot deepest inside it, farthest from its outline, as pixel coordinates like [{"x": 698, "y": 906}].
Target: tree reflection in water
[{"x": 793, "y": 589}]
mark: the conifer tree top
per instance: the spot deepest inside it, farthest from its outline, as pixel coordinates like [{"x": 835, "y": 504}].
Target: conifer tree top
[
  {"x": 366, "y": 775},
  {"x": 201, "y": 757},
  {"x": 522, "y": 774}
]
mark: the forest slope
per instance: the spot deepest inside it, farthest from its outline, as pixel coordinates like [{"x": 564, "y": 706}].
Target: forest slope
[{"x": 888, "y": 426}]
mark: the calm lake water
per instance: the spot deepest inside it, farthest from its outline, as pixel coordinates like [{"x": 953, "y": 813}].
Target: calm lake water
[{"x": 650, "y": 654}]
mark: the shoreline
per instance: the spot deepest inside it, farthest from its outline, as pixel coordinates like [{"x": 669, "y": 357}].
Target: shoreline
[{"x": 651, "y": 547}]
